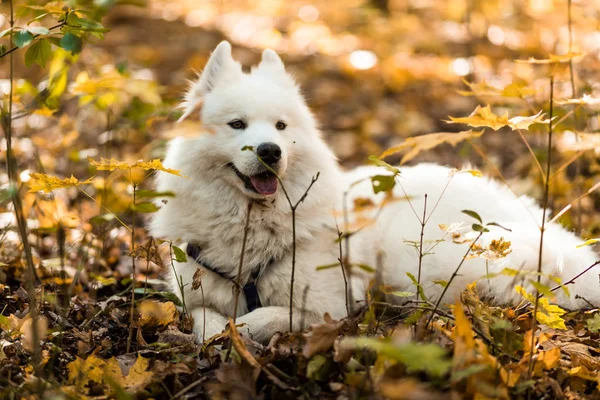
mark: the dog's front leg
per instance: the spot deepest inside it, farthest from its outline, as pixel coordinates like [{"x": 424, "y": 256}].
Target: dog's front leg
[
  {"x": 207, "y": 323},
  {"x": 264, "y": 322}
]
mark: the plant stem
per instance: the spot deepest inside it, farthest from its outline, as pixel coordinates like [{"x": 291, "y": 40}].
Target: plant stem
[
  {"x": 13, "y": 176},
  {"x": 423, "y": 222},
  {"x": 238, "y": 281},
  {"x": 341, "y": 261},
  {"x": 132, "y": 310},
  {"x": 543, "y": 227},
  {"x": 454, "y": 274}
]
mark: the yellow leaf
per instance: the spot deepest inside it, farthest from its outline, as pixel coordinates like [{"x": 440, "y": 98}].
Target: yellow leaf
[
  {"x": 153, "y": 313},
  {"x": 474, "y": 172},
  {"x": 483, "y": 116},
  {"x": 589, "y": 242},
  {"x": 584, "y": 373},
  {"x": 85, "y": 371},
  {"x": 462, "y": 334},
  {"x": 417, "y": 144},
  {"x": 550, "y": 358},
  {"x": 48, "y": 183},
  {"x": 112, "y": 164},
  {"x": 515, "y": 89},
  {"x": 138, "y": 376},
  {"x": 547, "y": 314},
  {"x": 552, "y": 59},
  {"x": 156, "y": 165}
]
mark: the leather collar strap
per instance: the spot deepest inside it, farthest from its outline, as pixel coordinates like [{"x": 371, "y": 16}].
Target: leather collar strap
[{"x": 250, "y": 290}]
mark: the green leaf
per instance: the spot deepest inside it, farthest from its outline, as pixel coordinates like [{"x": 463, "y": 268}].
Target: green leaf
[
  {"x": 593, "y": 324},
  {"x": 38, "y": 30},
  {"x": 145, "y": 207},
  {"x": 150, "y": 194},
  {"x": 328, "y": 266},
  {"x": 428, "y": 357},
  {"x": 498, "y": 225},
  {"x": 318, "y": 368},
  {"x": 473, "y": 214},
  {"x": 383, "y": 164},
  {"x": 6, "y": 32},
  {"x": 479, "y": 228},
  {"x": 71, "y": 42},
  {"x": 250, "y": 148},
  {"x": 164, "y": 294},
  {"x": 402, "y": 294},
  {"x": 383, "y": 183},
  {"x": 84, "y": 24},
  {"x": 180, "y": 255},
  {"x": 441, "y": 282},
  {"x": 366, "y": 268},
  {"x": 2, "y": 49},
  {"x": 39, "y": 52},
  {"x": 22, "y": 38},
  {"x": 4, "y": 323},
  {"x": 101, "y": 219}
]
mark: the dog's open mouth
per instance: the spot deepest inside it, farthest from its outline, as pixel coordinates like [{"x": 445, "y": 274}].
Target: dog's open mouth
[{"x": 264, "y": 183}]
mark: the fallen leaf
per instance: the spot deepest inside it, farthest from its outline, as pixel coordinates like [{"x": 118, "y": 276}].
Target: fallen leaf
[
  {"x": 321, "y": 337},
  {"x": 153, "y": 313}
]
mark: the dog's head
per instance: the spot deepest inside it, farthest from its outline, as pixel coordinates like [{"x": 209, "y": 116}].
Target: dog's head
[{"x": 258, "y": 121}]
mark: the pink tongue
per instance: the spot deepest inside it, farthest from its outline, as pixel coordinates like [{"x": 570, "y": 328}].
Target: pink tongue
[{"x": 264, "y": 185}]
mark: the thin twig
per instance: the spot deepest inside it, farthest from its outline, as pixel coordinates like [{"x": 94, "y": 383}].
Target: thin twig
[
  {"x": 542, "y": 228},
  {"x": 132, "y": 310},
  {"x": 343, "y": 267},
  {"x": 10, "y": 51},
  {"x": 423, "y": 222},
  {"x": 574, "y": 95},
  {"x": 293, "y": 208},
  {"x": 13, "y": 176},
  {"x": 573, "y": 279},
  {"x": 454, "y": 274},
  {"x": 238, "y": 280},
  {"x": 537, "y": 163}
]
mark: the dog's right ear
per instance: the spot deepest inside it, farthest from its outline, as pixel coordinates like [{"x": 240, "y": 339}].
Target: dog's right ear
[{"x": 219, "y": 64}]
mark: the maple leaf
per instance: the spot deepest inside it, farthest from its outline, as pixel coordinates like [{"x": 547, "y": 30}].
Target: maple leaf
[
  {"x": 417, "y": 144},
  {"x": 48, "y": 183},
  {"x": 483, "y": 116},
  {"x": 547, "y": 314},
  {"x": 112, "y": 164}
]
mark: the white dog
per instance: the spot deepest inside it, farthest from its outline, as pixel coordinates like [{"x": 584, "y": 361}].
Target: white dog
[{"x": 265, "y": 112}]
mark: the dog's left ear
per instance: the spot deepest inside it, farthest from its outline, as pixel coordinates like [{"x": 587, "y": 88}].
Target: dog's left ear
[
  {"x": 219, "y": 66},
  {"x": 271, "y": 61}
]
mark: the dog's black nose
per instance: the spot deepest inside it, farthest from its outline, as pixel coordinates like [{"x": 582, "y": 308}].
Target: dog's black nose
[{"x": 269, "y": 153}]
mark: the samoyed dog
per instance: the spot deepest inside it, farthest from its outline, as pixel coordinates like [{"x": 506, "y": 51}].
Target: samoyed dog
[{"x": 263, "y": 114}]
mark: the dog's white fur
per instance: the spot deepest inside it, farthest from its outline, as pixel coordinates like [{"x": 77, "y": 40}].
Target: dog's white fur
[{"x": 210, "y": 209}]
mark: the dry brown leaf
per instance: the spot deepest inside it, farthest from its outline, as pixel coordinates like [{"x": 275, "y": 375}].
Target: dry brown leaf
[
  {"x": 417, "y": 144},
  {"x": 240, "y": 347},
  {"x": 321, "y": 337}
]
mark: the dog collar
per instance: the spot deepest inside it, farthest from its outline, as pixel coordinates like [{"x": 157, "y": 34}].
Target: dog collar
[{"x": 250, "y": 290}]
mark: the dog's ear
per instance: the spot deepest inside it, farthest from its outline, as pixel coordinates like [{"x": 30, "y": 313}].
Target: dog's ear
[
  {"x": 219, "y": 64},
  {"x": 271, "y": 61}
]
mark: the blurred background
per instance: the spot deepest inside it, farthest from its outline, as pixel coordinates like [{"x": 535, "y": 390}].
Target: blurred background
[{"x": 374, "y": 73}]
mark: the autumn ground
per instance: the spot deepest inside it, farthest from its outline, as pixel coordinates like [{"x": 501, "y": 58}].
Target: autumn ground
[{"x": 375, "y": 73}]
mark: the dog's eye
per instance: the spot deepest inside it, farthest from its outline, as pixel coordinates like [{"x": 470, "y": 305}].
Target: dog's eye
[
  {"x": 280, "y": 125},
  {"x": 237, "y": 124}
]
